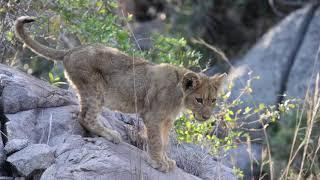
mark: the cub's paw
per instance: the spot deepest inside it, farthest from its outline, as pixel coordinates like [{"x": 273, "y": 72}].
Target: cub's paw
[
  {"x": 172, "y": 164},
  {"x": 162, "y": 165},
  {"x": 116, "y": 138},
  {"x": 112, "y": 136}
]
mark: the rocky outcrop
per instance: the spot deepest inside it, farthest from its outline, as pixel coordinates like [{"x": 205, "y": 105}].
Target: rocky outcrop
[
  {"x": 271, "y": 58},
  {"x": 47, "y": 142},
  {"x": 96, "y": 158},
  {"x": 15, "y": 145},
  {"x": 32, "y": 158},
  {"x": 306, "y": 64},
  {"x": 2, "y": 158},
  {"x": 286, "y": 60}
]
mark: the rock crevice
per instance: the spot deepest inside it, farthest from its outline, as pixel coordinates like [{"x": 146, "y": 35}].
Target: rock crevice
[{"x": 5, "y": 168}]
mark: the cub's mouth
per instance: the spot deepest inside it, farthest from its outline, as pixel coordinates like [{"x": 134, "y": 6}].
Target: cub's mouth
[{"x": 200, "y": 118}]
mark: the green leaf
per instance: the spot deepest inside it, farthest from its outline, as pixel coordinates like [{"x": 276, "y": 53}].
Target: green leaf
[
  {"x": 188, "y": 124},
  {"x": 247, "y": 110},
  {"x": 51, "y": 78},
  {"x": 9, "y": 36},
  {"x": 2, "y": 10},
  {"x": 102, "y": 11},
  {"x": 262, "y": 106},
  {"x": 227, "y": 117},
  {"x": 123, "y": 36},
  {"x": 230, "y": 112},
  {"x": 227, "y": 95},
  {"x": 99, "y": 4},
  {"x": 292, "y": 106}
]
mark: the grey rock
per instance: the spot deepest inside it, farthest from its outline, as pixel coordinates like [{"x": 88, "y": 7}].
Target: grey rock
[
  {"x": 193, "y": 159},
  {"x": 9, "y": 178},
  {"x": 2, "y": 158},
  {"x": 15, "y": 145},
  {"x": 307, "y": 63},
  {"x": 40, "y": 125},
  {"x": 97, "y": 158},
  {"x": 19, "y": 178},
  {"x": 33, "y": 157},
  {"x": 3, "y": 171},
  {"x": 268, "y": 59},
  {"x": 17, "y": 96}
]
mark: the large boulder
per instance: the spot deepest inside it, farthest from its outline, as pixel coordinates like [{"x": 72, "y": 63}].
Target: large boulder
[
  {"x": 44, "y": 115},
  {"x": 197, "y": 160},
  {"x": 286, "y": 61},
  {"x": 32, "y": 158},
  {"x": 270, "y": 58},
  {"x": 15, "y": 145},
  {"x": 39, "y": 125},
  {"x": 306, "y": 64},
  {"x": 17, "y": 96},
  {"x": 2, "y": 157},
  {"x": 96, "y": 158}
]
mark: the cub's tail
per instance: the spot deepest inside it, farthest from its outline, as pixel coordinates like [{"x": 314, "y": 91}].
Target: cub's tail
[{"x": 36, "y": 47}]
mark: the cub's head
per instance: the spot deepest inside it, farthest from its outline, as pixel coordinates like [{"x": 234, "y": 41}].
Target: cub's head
[{"x": 201, "y": 93}]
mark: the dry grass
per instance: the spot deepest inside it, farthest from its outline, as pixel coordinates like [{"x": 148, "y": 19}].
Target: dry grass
[{"x": 301, "y": 152}]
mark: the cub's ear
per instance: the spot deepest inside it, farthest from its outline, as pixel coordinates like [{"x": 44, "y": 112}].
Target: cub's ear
[
  {"x": 217, "y": 79},
  {"x": 191, "y": 81}
]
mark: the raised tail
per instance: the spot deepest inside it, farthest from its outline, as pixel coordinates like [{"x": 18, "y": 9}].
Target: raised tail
[{"x": 36, "y": 47}]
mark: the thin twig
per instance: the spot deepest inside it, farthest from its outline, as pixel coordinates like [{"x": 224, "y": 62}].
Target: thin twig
[
  {"x": 315, "y": 153},
  {"x": 293, "y": 3},
  {"x": 268, "y": 150},
  {"x": 2, "y": 36},
  {"x": 50, "y": 128},
  {"x": 275, "y": 9},
  {"x": 4, "y": 134},
  {"x": 292, "y": 148},
  {"x": 134, "y": 79},
  {"x": 214, "y": 49}
]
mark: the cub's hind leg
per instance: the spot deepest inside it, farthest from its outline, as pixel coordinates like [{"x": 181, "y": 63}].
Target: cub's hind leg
[{"x": 91, "y": 106}]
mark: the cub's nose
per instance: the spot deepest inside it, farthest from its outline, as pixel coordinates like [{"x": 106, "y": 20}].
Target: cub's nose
[{"x": 205, "y": 117}]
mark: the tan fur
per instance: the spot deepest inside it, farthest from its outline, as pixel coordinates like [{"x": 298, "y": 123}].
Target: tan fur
[{"x": 104, "y": 76}]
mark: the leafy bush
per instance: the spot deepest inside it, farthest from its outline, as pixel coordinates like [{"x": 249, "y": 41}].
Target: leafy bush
[
  {"x": 97, "y": 22},
  {"x": 230, "y": 115}
]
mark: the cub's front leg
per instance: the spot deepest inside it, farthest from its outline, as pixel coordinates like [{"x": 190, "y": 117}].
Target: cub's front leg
[
  {"x": 157, "y": 143},
  {"x": 166, "y": 126}
]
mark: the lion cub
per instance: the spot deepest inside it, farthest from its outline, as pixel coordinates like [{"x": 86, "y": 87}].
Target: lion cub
[{"x": 104, "y": 76}]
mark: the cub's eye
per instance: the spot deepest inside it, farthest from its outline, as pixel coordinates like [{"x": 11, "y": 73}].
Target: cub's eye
[
  {"x": 199, "y": 100},
  {"x": 214, "y": 100}
]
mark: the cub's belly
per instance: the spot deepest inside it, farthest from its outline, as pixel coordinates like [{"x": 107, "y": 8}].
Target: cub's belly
[{"x": 118, "y": 103}]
